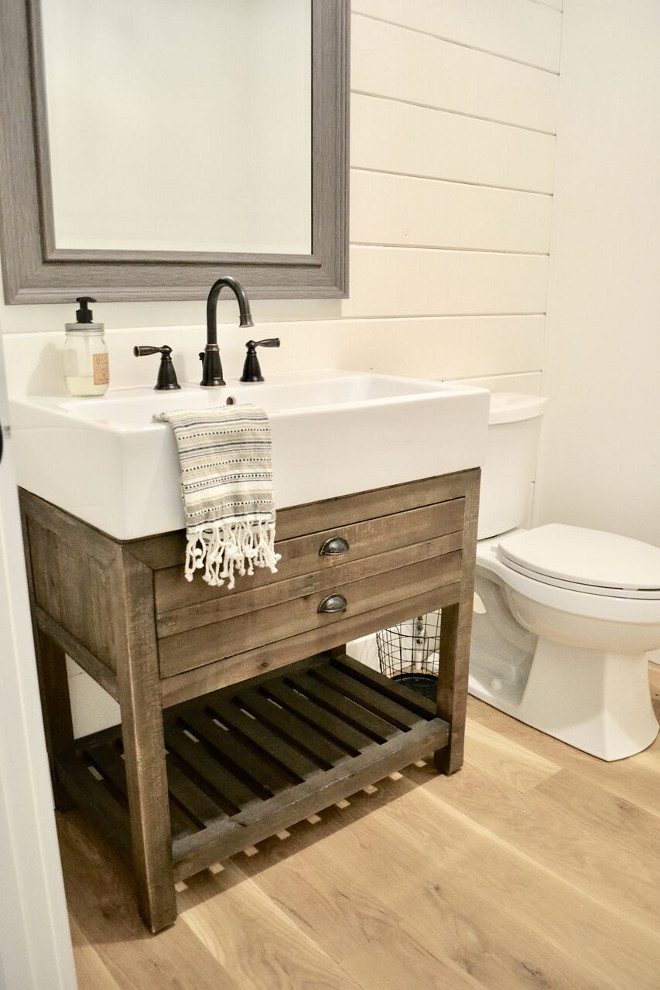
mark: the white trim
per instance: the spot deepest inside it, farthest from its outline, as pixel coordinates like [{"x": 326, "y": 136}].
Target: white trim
[{"x": 35, "y": 944}]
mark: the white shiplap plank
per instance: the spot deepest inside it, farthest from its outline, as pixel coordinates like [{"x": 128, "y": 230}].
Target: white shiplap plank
[
  {"x": 446, "y": 347},
  {"x": 409, "y": 282},
  {"x": 388, "y": 60},
  {"x": 398, "y": 210},
  {"x": 397, "y": 137},
  {"x": 516, "y": 29}
]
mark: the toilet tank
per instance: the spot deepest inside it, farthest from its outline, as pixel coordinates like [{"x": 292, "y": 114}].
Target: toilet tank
[{"x": 507, "y": 474}]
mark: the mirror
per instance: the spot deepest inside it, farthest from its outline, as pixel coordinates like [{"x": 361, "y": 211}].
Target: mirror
[
  {"x": 129, "y": 173},
  {"x": 145, "y": 154}
]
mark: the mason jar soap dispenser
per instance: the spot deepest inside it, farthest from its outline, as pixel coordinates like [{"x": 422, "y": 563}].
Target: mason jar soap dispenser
[{"x": 86, "y": 365}]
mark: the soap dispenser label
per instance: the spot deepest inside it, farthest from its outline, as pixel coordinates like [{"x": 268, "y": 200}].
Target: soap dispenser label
[{"x": 101, "y": 366}]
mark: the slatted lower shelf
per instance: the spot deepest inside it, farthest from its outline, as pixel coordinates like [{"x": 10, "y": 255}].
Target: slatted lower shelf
[{"x": 251, "y": 759}]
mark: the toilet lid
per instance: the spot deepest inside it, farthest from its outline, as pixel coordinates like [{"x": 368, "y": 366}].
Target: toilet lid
[{"x": 585, "y": 559}]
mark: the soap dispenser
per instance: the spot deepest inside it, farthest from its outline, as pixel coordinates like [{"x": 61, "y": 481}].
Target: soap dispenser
[{"x": 86, "y": 365}]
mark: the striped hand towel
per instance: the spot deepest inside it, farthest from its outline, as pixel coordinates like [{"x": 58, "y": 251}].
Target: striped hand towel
[{"x": 226, "y": 485}]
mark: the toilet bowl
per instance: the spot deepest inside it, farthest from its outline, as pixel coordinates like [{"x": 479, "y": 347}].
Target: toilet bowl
[{"x": 564, "y": 616}]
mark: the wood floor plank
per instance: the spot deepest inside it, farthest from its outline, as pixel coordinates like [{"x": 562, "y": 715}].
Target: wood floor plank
[
  {"x": 392, "y": 960},
  {"x": 534, "y": 867},
  {"x": 559, "y": 838},
  {"x": 635, "y": 778},
  {"x": 248, "y": 934},
  {"x": 505, "y": 758},
  {"x": 423, "y": 866},
  {"x": 409, "y": 909},
  {"x": 91, "y": 971},
  {"x": 101, "y": 898},
  {"x": 532, "y": 902}
]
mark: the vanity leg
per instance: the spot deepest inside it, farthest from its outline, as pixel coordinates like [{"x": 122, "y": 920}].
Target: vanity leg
[
  {"x": 455, "y": 631},
  {"x": 56, "y": 708},
  {"x": 53, "y": 684},
  {"x": 144, "y": 748},
  {"x": 452, "y": 688}
]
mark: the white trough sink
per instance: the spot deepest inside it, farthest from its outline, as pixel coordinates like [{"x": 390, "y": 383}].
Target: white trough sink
[{"x": 106, "y": 461}]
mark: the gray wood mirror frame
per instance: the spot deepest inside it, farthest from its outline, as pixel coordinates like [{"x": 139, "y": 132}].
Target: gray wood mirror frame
[{"x": 36, "y": 271}]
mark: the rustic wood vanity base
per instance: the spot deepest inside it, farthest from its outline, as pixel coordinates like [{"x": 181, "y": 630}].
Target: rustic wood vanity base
[{"x": 240, "y": 712}]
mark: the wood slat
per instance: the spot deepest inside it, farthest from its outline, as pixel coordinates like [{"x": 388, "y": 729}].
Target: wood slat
[
  {"x": 74, "y": 572},
  {"x": 169, "y": 549},
  {"x": 399, "y": 692},
  {"x": 214, "y": 641},
  {"x": 301, "y": 555},
  {"x": 274, "y": 746},
  {"x": 233, "y": 787},
  {"x": 353, "y": 713},
  {"x": 325, "y": 751},
  {"x": 221, "y": 673},
  {"x": 90, "y": 663},
  {"x": 345, "y": 735},
  {"x": 232, "y": 791},
  {"x": 319, "y": 516},
  {"x": 374, "y": 701},
  {"x": 69, "y": 529},
  {"x": 198, "y": 851},
  {"x": 109, "y": 762},
  {"x": 196, "y": 803},
  {"x": 107, "y": 813},
  {"x": 243, "y": 759},
  {"x": 239, "y": 603}
]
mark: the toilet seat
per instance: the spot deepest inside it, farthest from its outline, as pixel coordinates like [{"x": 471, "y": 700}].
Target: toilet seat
[{"x": 584, "y": 560}]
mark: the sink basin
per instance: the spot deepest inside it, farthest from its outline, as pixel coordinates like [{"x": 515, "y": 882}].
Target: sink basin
[{"x": 105, "y": 460}]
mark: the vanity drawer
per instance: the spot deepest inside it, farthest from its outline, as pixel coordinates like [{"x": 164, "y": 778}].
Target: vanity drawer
[
  {"x": 313, "y": 553},
  {"x": 290, "y": 608}
]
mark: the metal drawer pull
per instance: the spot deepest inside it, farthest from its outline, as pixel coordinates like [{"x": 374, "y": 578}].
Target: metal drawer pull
[
  {"x": 333, "y": 603},
  {"x": 334, "y": 546}
]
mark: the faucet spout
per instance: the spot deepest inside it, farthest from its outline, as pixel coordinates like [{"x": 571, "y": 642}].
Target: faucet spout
[{"x": 211, "y": 363}]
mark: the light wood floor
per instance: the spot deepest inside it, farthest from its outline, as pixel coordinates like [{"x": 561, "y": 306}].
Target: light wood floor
[{"x": 536, "y": 866}]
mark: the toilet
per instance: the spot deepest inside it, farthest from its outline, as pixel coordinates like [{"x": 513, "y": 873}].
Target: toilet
[{"x": 564, "y": 616}]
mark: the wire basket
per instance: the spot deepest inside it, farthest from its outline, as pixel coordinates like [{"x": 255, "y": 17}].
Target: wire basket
[{"x": 409, "y": 652}]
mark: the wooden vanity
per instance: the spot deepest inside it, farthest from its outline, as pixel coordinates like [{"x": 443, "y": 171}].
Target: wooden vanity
[{"x": 240, "y": 712}]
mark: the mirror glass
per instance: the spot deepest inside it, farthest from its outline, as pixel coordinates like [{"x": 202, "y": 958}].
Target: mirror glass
[{"x": 180, "y": 126}]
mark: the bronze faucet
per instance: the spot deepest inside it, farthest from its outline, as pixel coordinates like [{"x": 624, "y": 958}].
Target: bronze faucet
[{"x": 210, "y": 357}]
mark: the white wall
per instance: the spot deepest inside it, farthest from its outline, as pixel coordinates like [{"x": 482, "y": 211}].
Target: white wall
[
  {"x": 453, "y": 115},
  {"x": 35, "y": 947},
  {"x": 601, "y": 459}
]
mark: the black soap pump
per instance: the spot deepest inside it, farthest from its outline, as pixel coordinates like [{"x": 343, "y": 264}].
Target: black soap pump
[{"x": 86, "y": 364}]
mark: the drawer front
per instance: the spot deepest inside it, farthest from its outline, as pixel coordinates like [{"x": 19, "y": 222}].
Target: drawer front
[
  {"x": 375, "y": 583},
  {"x": 313, "y": 553}
]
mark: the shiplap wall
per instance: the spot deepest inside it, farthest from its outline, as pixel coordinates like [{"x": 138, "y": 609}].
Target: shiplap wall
[
  {"x": 453, "y": 121},
  {"x": 453, "y": 116}
]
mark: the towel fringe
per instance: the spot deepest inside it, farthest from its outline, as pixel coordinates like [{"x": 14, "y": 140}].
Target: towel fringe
[{"x": 231, "y": 546}]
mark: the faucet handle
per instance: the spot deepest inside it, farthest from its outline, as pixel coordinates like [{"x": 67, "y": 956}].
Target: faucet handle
[
  {"x": 251, "y": 368},
  {"x": 166, "y": 373}
]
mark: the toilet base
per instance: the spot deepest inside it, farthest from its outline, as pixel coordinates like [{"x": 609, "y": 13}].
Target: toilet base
[{"x": 599, "y": 703}]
